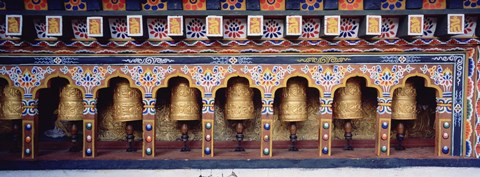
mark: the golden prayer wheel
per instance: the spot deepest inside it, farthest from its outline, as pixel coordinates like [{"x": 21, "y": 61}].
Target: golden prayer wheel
[
  {"x": 404, "y": 103},
  {"x": 239, "y": 104},
  {"x": 348, "y": 101},
  {"x": 126, "y": 103},
  {"x": 71, "y": 104},
  {"x": 11, "y": 107},
  {"x": 184, "y": 102},
  {"x": 293, "y": 105}
]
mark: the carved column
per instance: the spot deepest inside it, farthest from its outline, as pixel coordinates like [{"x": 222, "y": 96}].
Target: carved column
[
  {"x": 149, "y": 128},
  {"x": 325, "y": 129},
  {"x": 267, "y": 127},
  {"x": 29, "y": 125},
  {"x": 443, "y": 127},
  {"x": 383, "y": 126},
  {"x": 89, "y": 127},
  {"x": 208, "y": 119}
]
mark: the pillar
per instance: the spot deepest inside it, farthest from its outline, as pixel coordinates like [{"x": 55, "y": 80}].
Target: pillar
[
  {"x": 29, "y": 128},
  {"x": 89, "y": 127},
  {"x": 148, "y": 150},
  {"x": 267, "y": 127},
  {"x": 443, "y": 127},
  {"x": 325, "y": 129},
  {"x": 208, "y": 119},
  {"x": 383, "y": 126}
]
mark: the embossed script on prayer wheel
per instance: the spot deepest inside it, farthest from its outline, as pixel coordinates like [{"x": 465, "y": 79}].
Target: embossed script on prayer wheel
[
  {"x": 293, "y": 105},
  {"x": 404, "y": 103},
  {"x": 126, "y": 103},
  {"x": 71, "y": 104},
  {"x": 11, "y": 104},
  {"x": 184, "y": 102},
  {"x": 239, "y": 104},
  {"x": 348, "y": 101}
]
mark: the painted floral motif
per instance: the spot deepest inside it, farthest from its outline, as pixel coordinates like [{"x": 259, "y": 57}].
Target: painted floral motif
[
  {"x": 3, "y": 31},
  {"x": 147, "y": 78},
  {"x": 350, "y": 5},
  {"x": 208, "y": 78},
  {"x": 440, "y": 76},
  {"x": 328, "y": 76},
  {"x": 79, "y": 29},
  {"x": 311, "y": 4},
  {"x": 387, "y": 77},
  {"x": 349, "y": 28},
  {"x": 194, "y": 5},
  {"x": 87, "y": 78},
  {"x": 434, "y": 4},
  {"x": 196, "y": 28},
  {"x": 393, "y": 4},
  {"x": 114, "y": 5},
  {"x": 471, "y": 4},
  {"x": 157, "y": 28},
  {"x": 272, "y": 28},
  {"x": 35, "y": 4},
  {"x": 469, "y": 27},
  {"x": 389, "y": 28},
  {"x": 118, "y": 28},
  {"x": 272, "y": 4},
  {"x": 154, "y": 4},
  {"x": 27, "y": 79},
  {"x": 3, "y": 5},
  {"x": 429, "y": 26},
  {"x": 311, "y": 28},
  {"x": 235, "y": 28},
  {"x": 41, "y": 29},
  {"x": 233, "y": 4},
  {"x": 75, "y": 5},
  {"x": 266, "y": 77}
]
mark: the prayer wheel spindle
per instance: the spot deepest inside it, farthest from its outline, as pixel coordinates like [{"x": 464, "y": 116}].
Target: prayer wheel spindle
[
  {"x": 184, "y": 107},
  {"x": 127, "y": 107},
  {"x": 348, "y": 106},
  {"x": 11, "y": 109},
  {"x": 71, "y": 109},
  {"x": 404, "y": 107},
  {"x": 293, "y": 107},
  {"x": 239, "y": 106}
]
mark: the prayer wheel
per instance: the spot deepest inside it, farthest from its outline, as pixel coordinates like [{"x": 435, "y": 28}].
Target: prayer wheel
[
  {"x": 293, "y": 106},
  {"x": 239, "y": 103},
  {"x": 348, "y": 104},
  {"x": 71, "y": 104},
  {"x": 184, "y": 102},
  {"x": 404, "y": 103},
  {"x": 11, "y": 104},
  {"x": 127, "y": 103}
]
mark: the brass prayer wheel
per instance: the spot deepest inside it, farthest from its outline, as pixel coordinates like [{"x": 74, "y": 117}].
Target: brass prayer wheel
[
  {"x": 293, "y": 105},
  {"x": 71, "y": 104},
  {"x": 348, "y": 101},
  {"x": 11, "y": 104},
  {"x": 239, "y": 103},
  {"x": 184, "y": 102},
  {"x": 404, "y": 103},
  {"x": 126, "y": 103}
]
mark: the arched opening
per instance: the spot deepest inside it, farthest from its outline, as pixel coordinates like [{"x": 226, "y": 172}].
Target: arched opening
[
  {"x": 55, "y": 133},
  {"x": 226, "y": 131},
  {"x": 354, "y": 118},
  {"x": 415, "y": 132},
  {"x": 169, "y": 128},
  {"x": 111, "y": 136},
  {"x": 306, "y": 129}
]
